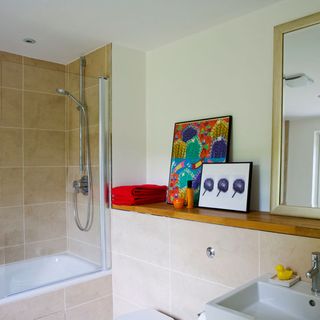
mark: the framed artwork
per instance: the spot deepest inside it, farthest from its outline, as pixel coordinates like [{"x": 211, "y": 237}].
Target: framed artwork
[
  {"x": 226, "y": 186},
  {"x": 196, "y": 142}
]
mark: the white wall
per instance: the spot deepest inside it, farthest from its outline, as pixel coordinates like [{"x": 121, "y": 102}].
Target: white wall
[
  {"x": 128, "y": 116},
  {"x": 224, "y": 70}
]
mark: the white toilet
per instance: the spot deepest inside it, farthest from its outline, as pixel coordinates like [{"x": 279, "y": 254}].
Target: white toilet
[{"x": 147, "y": 314}]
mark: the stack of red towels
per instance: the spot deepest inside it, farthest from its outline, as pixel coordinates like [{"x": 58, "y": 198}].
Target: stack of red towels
[{"x": 139, "y": 194}]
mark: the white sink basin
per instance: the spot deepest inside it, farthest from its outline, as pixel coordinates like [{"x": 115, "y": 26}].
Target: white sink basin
[{"x": 264, "y": 301}]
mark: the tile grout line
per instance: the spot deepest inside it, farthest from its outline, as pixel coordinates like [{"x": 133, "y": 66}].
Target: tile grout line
[{"x": 173, "y": 270}]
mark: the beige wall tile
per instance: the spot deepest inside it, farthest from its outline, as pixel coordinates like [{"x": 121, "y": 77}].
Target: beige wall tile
[
  {"x": 84, "y": 250},
  {"x": 96, "y": 64},
  {"x": 11, "y": 74},
  {"x": 291, "y": 251},
  {"x": 47, "y": 247},
  {"x": 189, "y": 295},
  {"x": 33, "y": 308},
  {"x": 73, "y": 152},
  {"x": 10, "y": 147},
  {"x": 55, "y": 316},
  {"x": 10, "y": 108},
  {"x": 2, "y": 255},
  {"x": 93, "y": 235},
  {"x": 44, "y": 148},
  {"x": 11, "y": 226},
  {"x": 10, "y": 187},
  {"x": 13, "y": 254},
  {"x": 89, "y": 290},
  {"x": 44, "y": 64},
  {"x": 42, "y": 79},
  {"x": 94, "y": 144},
  {"x": 11, "y": 57},
  {"x": 142, "y": 283},
  {"x": 100, "y": 309},
  {"x": 44, "y": 185},
  {"x": 92, "y": 101},
  {"x": 44, "y": 222},
  {"x": 141, "y": 236},
  {"x": 44, "y": 111},
  {"x": 122, "y": 307},
  {"x": 73, "y": 115},
  {"x": 73, "y": 73},
  {"x": 191, "y": 239}
]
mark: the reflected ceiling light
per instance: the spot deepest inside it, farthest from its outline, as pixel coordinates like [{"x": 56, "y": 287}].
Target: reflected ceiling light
[
  {"x": 29, "y": 40},
  {"x": 297, "y": 80}
]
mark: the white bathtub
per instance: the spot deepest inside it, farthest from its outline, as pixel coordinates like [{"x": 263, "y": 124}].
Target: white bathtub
[{"x": 42, "y": 271}]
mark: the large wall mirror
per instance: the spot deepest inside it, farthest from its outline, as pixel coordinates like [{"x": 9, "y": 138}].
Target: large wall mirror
[{"x": 295, "y": 187}]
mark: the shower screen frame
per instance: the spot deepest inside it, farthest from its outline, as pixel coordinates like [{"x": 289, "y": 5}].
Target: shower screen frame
[{"x": 105, "y": 170}]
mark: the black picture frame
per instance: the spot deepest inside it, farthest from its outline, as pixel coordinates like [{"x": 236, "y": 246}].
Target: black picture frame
[{"x": 226, "y": 186}]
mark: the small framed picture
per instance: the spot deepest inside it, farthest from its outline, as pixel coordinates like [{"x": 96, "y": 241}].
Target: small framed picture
[{"x": 226, "y": 186}]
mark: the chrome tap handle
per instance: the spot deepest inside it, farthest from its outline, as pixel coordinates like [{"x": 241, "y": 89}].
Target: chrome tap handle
[{"x": 314, "y": 272}]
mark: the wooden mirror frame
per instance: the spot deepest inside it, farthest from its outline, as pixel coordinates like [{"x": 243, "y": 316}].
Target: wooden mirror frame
[{"x": 277, "y": 126}]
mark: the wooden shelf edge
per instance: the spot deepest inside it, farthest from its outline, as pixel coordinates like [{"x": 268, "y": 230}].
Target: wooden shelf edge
[{"x": 255, "y": 220}]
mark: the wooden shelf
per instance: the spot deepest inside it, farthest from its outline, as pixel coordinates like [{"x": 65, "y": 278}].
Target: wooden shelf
[{"x": 255, "y": 220}]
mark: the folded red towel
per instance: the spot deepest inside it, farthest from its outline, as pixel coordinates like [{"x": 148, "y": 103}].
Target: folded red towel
[{"x": 138, "y": 194}]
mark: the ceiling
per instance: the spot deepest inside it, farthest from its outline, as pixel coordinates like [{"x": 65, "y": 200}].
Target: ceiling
[
  {"x": 66, "y": 29},
  {"x": 302, "y": 55}
]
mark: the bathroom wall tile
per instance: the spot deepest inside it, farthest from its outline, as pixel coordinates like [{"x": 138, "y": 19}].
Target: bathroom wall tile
[
  {"x": 10, "y": 108},
  {"x": 84, "y": 250},
  {"x": 44, "y": 64},
  {"x": 44, "y": 185},
  {"x": 92, "y": 100},
  {"x": 44, "y": 148},
  {"x": 141, "y": 236},
  {"x": 13, "y": 254},
  {"x": 93, "y": 235},
  {"x": 122, "y": 307},
  {"x": 43, "y": 79},
  {"x": 73, "y": 73},
  {"x": 33, "y": 308},
  {"x": 44, "y": 111},
  {"x": 95, "y": 66},
  {"x": 2, "y": 256},
  {"x": 44, "y": 222},
  {"x": 11, "y": 226},
  {"x": 11, "y": 74},
  {"x": 291, "y": 251},
  {"x": 191, "y": 239},
  {"x": 89, "y": 290},
  {"x": 108, "y": 59},
  {"x": 55, "y": 316},
  {"x": 189, "y": 295},
  {"x": 100, "y": 309},
  {"x": 10, "y": 147},
  {"x": 44, "y": 248},
  {"x": 73, "y": 114},
  {"x": 94, "y": 144},
  {"x": 73, "y": 152},
  {"x": 10, "y": 187},
  {"x": 142, "y": 283},
  {"x": 10, "y": 57}
]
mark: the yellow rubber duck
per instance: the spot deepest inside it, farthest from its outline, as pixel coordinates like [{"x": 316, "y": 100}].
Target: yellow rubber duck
[{"x": 282, "y": 273}]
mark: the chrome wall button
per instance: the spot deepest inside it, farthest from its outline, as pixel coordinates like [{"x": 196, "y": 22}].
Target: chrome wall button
[{"x": 211, "y": 252}]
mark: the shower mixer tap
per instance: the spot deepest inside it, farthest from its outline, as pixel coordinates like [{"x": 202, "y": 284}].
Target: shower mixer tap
[{"x": 81, "y": 185}]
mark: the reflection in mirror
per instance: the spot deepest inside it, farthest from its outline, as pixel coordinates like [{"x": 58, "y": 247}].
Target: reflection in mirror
[{"x": 300, "y": 181}]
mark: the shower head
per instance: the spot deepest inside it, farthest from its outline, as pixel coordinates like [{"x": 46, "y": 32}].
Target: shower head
[
  {"x": 68, "y": 94},
  {"x": 62, "y": 91}
]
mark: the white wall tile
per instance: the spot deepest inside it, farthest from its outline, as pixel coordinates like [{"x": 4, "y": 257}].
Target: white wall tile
[
  {"x": 142, "y": 283},
  {"x": 237, "y": 256},
  {"x": 141, "y": 236},
  {"x": 189, "y": 295}
]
